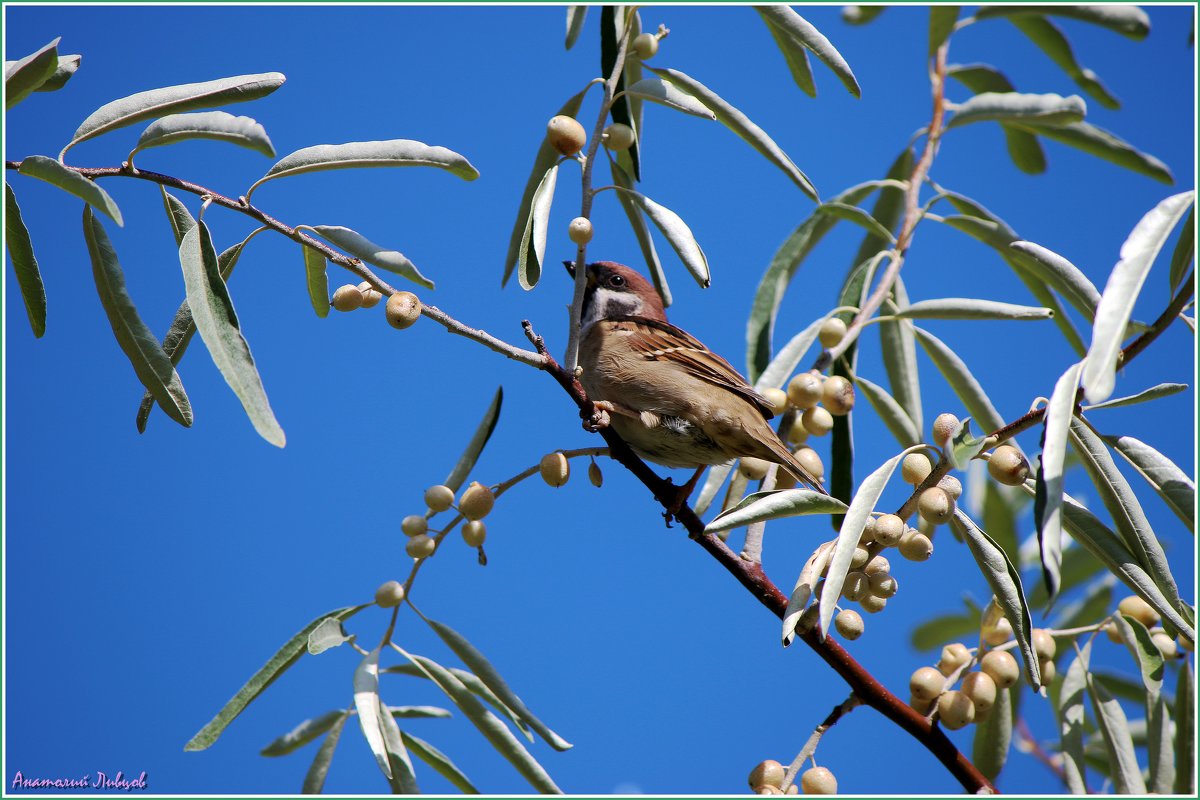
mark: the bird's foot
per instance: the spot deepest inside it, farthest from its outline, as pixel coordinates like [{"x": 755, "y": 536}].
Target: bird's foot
[
  {"x": 600, "y": 419},
  {"x": 682, "y": 493}
]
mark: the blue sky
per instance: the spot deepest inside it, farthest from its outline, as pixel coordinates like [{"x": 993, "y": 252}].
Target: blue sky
[{"x": 148, "y": 576}]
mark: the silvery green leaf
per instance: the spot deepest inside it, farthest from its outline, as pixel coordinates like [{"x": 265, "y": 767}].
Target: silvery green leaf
[
  {"x": 1062, "y": 275},
  {"x": 533, "y": 241},
  {"x": 1124, "y": 284},
  {"x": 473, "y": 684},
  {"x": 153, "y": 368},
  {"x": 1144, "y": 652},
  {"x": 859, "y": 217},
  {"x": 1072, "y": 721},
  {"x": 851, "y": 531},
  {"x": 788, "y": 358},
  {"x": 1048, "y": 110},
  {"x": 1127, "y": 20},
  {"x": 1103, "y": 144},
  {"x": 484, "y": 670},
  {"x": 1124, "y": 508},
  {"x": 440, "y": 762},
  {"x": 1185, "y": 250},
  {"x": 1177, "y": 490},
  {"x": 677, "y": 233},
  {"x": 1153, "y": 393},
  {"x": 861, "y": 15},
  {"x": 961, "y": 381},
  {"x": 25, "y": 265},
  {"x": 659, "y": 91},
  {"x": 1005, "y": 582},
  {"x": 215, "y": 318},
  {"x": 775, "y": 504},
  {"x": 800, "y": 29},
  {"x": 993, "y": 736},
  {"x": 326, "y": 636},
  {"x": 980, "y": 78},
  {"x": 803, "y": 590},
  {"x": 1185, "y": 731},
  {"x": 180, "y": 219},
  {"x": 894, "y": 417},
  {"x": 969, "y": 308},
  {"x": 630, "y": 75},
  {"x": 47, "y": 169},
  {"x": 796, "y": 56},
  {"x": 964, "y": 445},
  {"x": 314, "y": 779},
  {"x": 1023, "y": 147},
  {"x": 612, "y": 32},
  {"x": 716, "y": 476},
  {"x": 546, "y": 157},
  {"x": 317, "y": 280},
  {"x": 898, "y": 349},
  {"x": 357, "y": 155},
  {"x": 941, "y": 25},
  {"x": 641, "y": 230},
  {"x": 23, "y": 77},
  {"x": 366, "y": 702},
  {"x": 174, "y": 100},
  {"x": 217, "y": 125},
  {"x": 1048, "y": 503},
  {"x": 403, "y": 779},
  {"x": 302, "y": 734},
  {"x": 284, "y": 658},
  {"x": 466, "y": 462},
  {"x": 1114, "y": 728},
  {"x": 67, "y": 66},
  {"x": 486, "y": 722},
  {"x": 419, "y": 712},
  {"x": 575, "y": 17},
  {"x": 1159, "y": 751},
  {"x": 739, "y": 123},
  {"x": 1047, "y": 36},
  {"x": 359, "y": 246}
]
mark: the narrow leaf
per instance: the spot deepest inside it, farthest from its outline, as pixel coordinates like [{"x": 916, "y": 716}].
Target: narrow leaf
[
  {"x": 969, "y": 308},
  {"x": 314, "y": 780},
  {"x": 219, "y": 126},
  {"x": 1114, "y": 728},
  {"x": 1103, "y": 144},
  {"x": 466, "y": 462},
  {"x": 25, "y": 265},
  {"x": 1177, "y": 490},
  {"x": 859, "y": 217},
  {"x": 894, "y": 417},
  {"x": 677, "y": 233},
  {"x": 1185, "y": 731},
  {"x": 961, "y": 381},
  {"x": 359, "y": 246},
  {"x": 716, "y": 477},
  {"x": 366, "y": 702},
  {"x": 174, "y": 100},
  {"x": 993, "y": 736},
  {"x": 1126, "y": 20},
  {"x": 941, "y": 25},
  {"x": 1159, "y": 751},
  {"x": 796, "y": 56},
  {"x": 641, "y": 230},
  {"x": 739, "y": 123},
  {"x": 302, "y": 734},
  {"x": 23, "y": 77},
  {"x": 1048, "y": 110},
  {"x": 180, "y": 219},
  {"x": 216, "y": 320},
  {"x": 1062, "y": 275},
  {"x": 1047, "y": 36},
  {"x": 403, "y": 779},
  {"x": 1072, "y": 722},
  {"x": 898, "y": 349},
  {"x": 788, "y": 358},
  {"x": 1185, "y": 250},
  {"x": 286, "y": 656},
  {"x": 1047, "y": 507},
  {"x": 435, "y": 758},
  {"x": 67, "y": 66},
  {"x": 47, "y": 169},
  {"x": 659, "y": 91},
  {"x": 861, "y": 15},
  {"x": 575, "y": 17},
  {"x": 153, "y": 368},
  {"x": 317, "y": 280},
  {"x": 1124, "y": 284},
  {"x": 533, "y": 241},
  {"x": 326, "y": 636},
  {"x": 473, "y": 684},
  {"x": 1144, "y": 652},
  {"x": 419, "y": 712},
  {"x": 805, "y": 34},
  {"x": 803, "y": 590},
  {"x": 775, "y": 504},
  {"x": 612, "y": 31}
]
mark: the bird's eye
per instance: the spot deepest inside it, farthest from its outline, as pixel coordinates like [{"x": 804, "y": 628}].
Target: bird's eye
[{"x": 616, "y": 280}]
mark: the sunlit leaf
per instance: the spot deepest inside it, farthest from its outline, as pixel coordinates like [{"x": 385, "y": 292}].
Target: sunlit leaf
[
  {"x": 403, "y": 779},
  {"x": 316, "y": 279},
  {"x": 314, "y": 780},
  {"x": 1177, "y": 490},
  {"x": 641, "y": 230},
  {"x": 1072, "y": 721},
  {"x": 993, "y": 736},
  {"x": 796, "y": 56},
  {"x": 612, "y": 30},
  {"x": 1185, "y": 250},
  {"x": 27, "y": 75},
  {"x": 466, "y": 462},
  {"x": 359, "y": 246},
  {"x": 1127, "y": 20},
  {"x": 302, "y": 734},
  {"x": 775, "y": 504},
  {"x": 970, "y": 308},
  {"x": 25, "y": 265},
  {"x": 532, "y": 254},
  {"x": 48, "y": 170},
  {"x": 476, "y": 686},
  {"x": 803, "y": 32},
  {"x": 941, "y": 25},
  {"x": 859, "y": 217},
  {"x": 861, "y": 15},
  {"x": 1114, "y": 728},
  {"x": 1023, "y": 147},
  {"x": 1009, "y": 107},
  {"x": 660, "y": 91},
  {"x": 1047, "y": 507},
  {"x": 419, "y": 712},
  {"x": 67, "y": 66},
  {"x": 802, "y": 592},
  {"x": 1047, "y": 36},
  {"x": 216, "y": 125},
  {"x": 440, "y": 762},
  {"x": 677, "y": 233},
  {"x": 366, "y": 702},
  {"x": 1062, "y": 275},
  {"x": 1144, "y": 396},
  {"x": 894, "y": 417},
  {"x": 712, "y": 483},
  {"x": 326, "y": 636},
  {"x": 1185, "y": 731},
  {"x": 956, "y": 373},
  {"x": 180, "y": 219},
  {"x": 575, "y": 17},
  {"x": 1102, "y": 144},
  {"x": 788, "y": 358}
]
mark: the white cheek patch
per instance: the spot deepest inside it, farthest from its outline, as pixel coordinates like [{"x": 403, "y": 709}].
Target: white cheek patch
[{"x": 606, "y": 304}]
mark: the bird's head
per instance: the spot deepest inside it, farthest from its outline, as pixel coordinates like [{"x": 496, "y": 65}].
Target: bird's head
[{"x": 615, "y": 290}]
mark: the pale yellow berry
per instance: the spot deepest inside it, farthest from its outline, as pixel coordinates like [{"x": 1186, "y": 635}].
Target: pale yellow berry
[
  {"x": 754, "y": 469},
  {"x": 935, "y": 505},
  {"x": 804, "y": 391},
  {"x": 997, "y": 634},
  {"x": 916, "y": 546},
  {"x": 1165, "y": 644},
  {"x": 645, "y": 45},
  {"x": 1048, "y": 671},
  {"x": 476, "y": 501},
  {"x": 922, "y": 707},
  {"x": 817, "y": 421},
  {"x": 831, "y": 332},
  {"x": 784, "y": 479},
  {"x": 414, "y": 525},
  {"x": 389, "y": 595},
  {"x": 868, "y": 532},
  {"x": 1139, "y": 609},
  {"x": 879, "y": 565},
  {"x": 767, "y": 773},
  {"x": 888, "y": 530},
  {"x": 981, "y": 689},
  {"x": 1008, "y": 466},
  {"x": 953, "y": 656},
  {"x": 818, "y": 780},
  {"x": 555, "y": 469},
  {"x": 1043, "y": 644},
  {"x": 1001, "y": 667},
  {"x": 347, "y": 298},
  {"x": 402, "y": 310},
  {"x": 915, "y": 468},
  {"x": 777, "y": 399},
  {"x": 1186, "y": 644},
  {"x": 566, "y": 135},
  {"x": 420, "y": 546},
  {"x": 811, "y": 461},
  {"x": 926, "y": 683},
  {"x": 1113, "y": 633},
  {"x": 370, "y": 297},
  {"x": 439, "y": 497},
  {"x": 474, "y": 533},
  {"x": 856, "y": 586},
  {"x": 595, "y": 475},
  {"x": 884, "y": 585},
  {"x": 797, "y": 434},
  {"x": 618, "y": 136},
  {"x": 579, "y": 230},
  {"x": 765, "y": 790},
  {"x": 873, "y": 604},
  {"x": 945, "y": 426},
  {"x": 837, "y": 394},
  {"x": 955, "y": 710},
  {"x": 792, "y": 789},
  {"x": 951, "y": 486},
  {"x": 849, "y": 624}
]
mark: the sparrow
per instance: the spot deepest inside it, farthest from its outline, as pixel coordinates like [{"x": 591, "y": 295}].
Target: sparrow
[{"x": 674, "y": 401}]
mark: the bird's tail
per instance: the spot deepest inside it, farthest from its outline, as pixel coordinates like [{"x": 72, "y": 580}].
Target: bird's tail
[{"x": 785, "y": 459}]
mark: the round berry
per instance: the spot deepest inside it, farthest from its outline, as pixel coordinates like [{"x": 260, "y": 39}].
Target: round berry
[
  {"x": 804, "y": 391},
  {"x": 935, "y": 505},
  {"x": 856, "y": 586},
  {"x": 618, "y": 136},
  {"x": 1165, "y": 644},
  {"x": 955, "y": 710},
  {"x": 951, "y": 486},
  {"x": 1043, "y": 644},
  {"x": 579, "y": 230},
  {"x": 831, "y": 332},
  {"x": 439, "y": 498},
  {"x": 768, "y": 790},
  {"x": 953, "y": 656},
  {"x": 754, "y": 469},
  {"x": 981, "y": 689},
  {"x": 402, "y": 310},
  {"x": 926, "y": 683},
  {"x": 837, "y": 394},
  {"x": 868, "y": 532},
  {"x": 888, "y": 530},
  {"x": 347, "y": 298},
  {"x": 1008, "y": 466},
  {"x": 1113, "y": 633},
  {"x": 798, "y": 434},
  {"x": 1139, "y": 609},
  {"x": 849, "y": 624},
  {"x": 414, "y": 525},
  {"x": 818, "y": 780},
  {"x": 370, "y": 297},
  {"x": 997, "y": 634},
  {"x": 944, "y": 427},
  {"x": 555, "y": 469},
  {"x": 884, "y": 585},
  {"x": 389, "y": 595},
  {"x": 645, "y": 45},
  {"x": 778, "y": 400},
  {"x": 474, "y": 532},
  {"x": 915, "y": 468},
  {"x": 817, "y": 421},
  {"x": 879, "y": 565},
  {"x": 784, "y": 479},
  {"x": 566, "y": 135},
  {"x": 811, "y": 461},
  {"x": 767, "y": 773},
  {"x": 595, "y": 475},
  {"x": 476, "y": 501},
  {"x": 872, "y": 604},
  {"x": 420, "y": 546},
  {"x": 1048, "y": 671},
  {"x": 916, "y": 546}
]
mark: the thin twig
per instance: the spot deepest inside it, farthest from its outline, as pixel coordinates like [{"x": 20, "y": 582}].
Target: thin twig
[{"x": 840, "y": 710}]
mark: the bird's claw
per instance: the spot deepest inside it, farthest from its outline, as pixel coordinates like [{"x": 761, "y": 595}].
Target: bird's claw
[{"x": 600, "y": 419}]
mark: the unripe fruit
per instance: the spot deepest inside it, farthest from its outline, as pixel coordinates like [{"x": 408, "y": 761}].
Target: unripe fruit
[
  {"x": 915, "y": 468},
  {"x": 555, "y": 469},
  {"x": 1139, "y": 609},
  {"x": 818, "y": 780},
  {"x": 916, "y": 546},
  {"x": 888, "y": 530},
  {"x": 402, "y": 310},
  {"x": 849, "y": 624},
  {"x": 1048, "y": 671},
  {"x": 868, "y": 532},
  {"x": 389, "y": 595},
  {"x": 837, "y": 394},
  {"x": 922, "y": 707},
  {"x": 778, "y": 399},
  {"x": 579, "y": 230},
  {"x": 370, "y": 297},
  {"x": 1113, "y": 632},
  {"x": 926, "y": 683},
  {"x": 817, "y": 421},
  {"x": 347, "y": 298},
  {"x": 1001, "y": 667},
  {"x": 595, "y": 475},
  {"x": 811, "y": 461},
  {"x": 935, "y": 505},
  {"x": 420, "y": 546},
  {"x": 872, "y": 604},
  {"x": 884, "y": 585},
  {"x": 953, "y": 656},
  {"x": 768, "y": 773},
  {"x": 414, "y": 525},
  {"x": 804, "y": 390},
  {"x": 797, "y": 434},
  {"x": 955, "y": 710},
  {"x": 879, "y": 565},
  {"x": 476, "y": 501},
  {"x": 754, "y": 469},
  {"x": 981, "y": 689},
  {"x": 831, "y": 332},
  {"x": 1043, "y": 644},
  {"x": 951, "y": 486},
  {"x": 945, "y": 426},
  {"x": 645, "y": 45},
  {"x": 856, "y": 586},
  {"x": 1165, "y": 644},
  {"x": 566, "y": 135},
  {"x": 439, "y": 497},
  {"x": 860, "y": 558},
  {"x": 1008, "y": 466},
  {"x": 474, "y": 532},
  {"x": 618, "y": 136},
  {"x": 999, "y": 633}
]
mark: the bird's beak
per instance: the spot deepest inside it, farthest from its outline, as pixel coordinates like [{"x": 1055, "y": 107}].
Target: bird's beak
[{"x": 570, "y": 265}]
